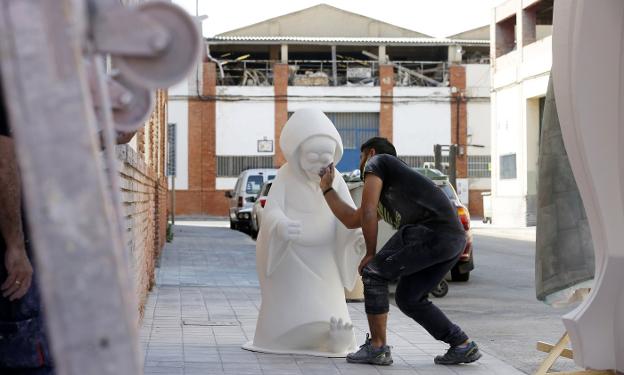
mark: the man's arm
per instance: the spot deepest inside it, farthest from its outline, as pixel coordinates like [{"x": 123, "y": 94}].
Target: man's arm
[
  {"x": 347, "y": 215},
  {"x": 368, "y": 217},
  {"x": 16, "y": 261}
]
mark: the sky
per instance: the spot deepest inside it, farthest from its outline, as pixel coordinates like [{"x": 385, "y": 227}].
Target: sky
[{"x": 438, "y": 18}]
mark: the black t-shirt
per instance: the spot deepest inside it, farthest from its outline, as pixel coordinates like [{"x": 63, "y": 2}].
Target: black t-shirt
[
  {"x": 407, "y": 197},
  {"x": 4, "y": 122}
]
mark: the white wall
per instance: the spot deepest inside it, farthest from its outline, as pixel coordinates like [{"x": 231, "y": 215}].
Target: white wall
[
  {"x": 478, "y": 80},
  {"x": 244, "y": 121},
  {"x": 177, "y": 112},
  {"x": 179, "y": 89},
  {"x": 226, "y": 183},
  {"x": 479, "y": 129},
  {"x": 341, "y": 99},
  {"x": 421, "y": 119}
]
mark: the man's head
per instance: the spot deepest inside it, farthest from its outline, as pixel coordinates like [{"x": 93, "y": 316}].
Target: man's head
[{"x": 372, "y": 147}]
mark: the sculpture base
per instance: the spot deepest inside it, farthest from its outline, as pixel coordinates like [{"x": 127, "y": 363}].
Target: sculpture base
[{"x": 252, "y": 348}]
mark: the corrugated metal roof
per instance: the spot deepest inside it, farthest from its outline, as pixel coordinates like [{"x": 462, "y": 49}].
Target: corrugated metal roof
[{"x": 344, "y": 41}]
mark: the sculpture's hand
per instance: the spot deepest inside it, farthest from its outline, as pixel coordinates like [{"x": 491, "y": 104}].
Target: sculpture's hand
[{"x": 289, "y": 230}]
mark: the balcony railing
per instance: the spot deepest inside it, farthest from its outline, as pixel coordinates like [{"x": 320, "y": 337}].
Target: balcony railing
[{"x": 347, "y": 72}]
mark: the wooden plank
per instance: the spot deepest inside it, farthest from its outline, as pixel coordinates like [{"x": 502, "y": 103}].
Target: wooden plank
[
  {"x": 547, "y": 348},
  {"x": 553, "y": 355},
  {"x": 82, "y": 266}
]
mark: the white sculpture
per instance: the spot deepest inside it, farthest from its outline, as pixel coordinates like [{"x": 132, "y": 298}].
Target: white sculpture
[
  {"x": 587, "y": 37},
  {"x": 305, "y": 256}
]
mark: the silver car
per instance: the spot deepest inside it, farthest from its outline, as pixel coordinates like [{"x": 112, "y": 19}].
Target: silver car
[
  {"x": 258, "y": 208},
  {"x": 244, "y": 195}
]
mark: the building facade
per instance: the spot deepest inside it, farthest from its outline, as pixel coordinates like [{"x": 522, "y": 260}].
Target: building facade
[
  {"x": 521, "y": 58},
  {"x": 371, "y": 78}
]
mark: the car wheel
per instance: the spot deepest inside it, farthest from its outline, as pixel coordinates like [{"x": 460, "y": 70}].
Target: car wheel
[
  {"x": 458, "y": 276},
  {"x": 441, "y": 289},
  {"x": 233, "y": 225}
]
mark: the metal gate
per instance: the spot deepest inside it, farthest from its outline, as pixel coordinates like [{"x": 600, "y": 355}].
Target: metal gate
[{"x": 354, "y": 128}]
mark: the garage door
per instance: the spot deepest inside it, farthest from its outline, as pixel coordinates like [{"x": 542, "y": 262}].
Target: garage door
[{"x": 355, "y": 128}]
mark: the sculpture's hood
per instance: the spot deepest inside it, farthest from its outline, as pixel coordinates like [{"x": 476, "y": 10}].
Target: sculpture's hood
[{"x": 306, "y": 123}]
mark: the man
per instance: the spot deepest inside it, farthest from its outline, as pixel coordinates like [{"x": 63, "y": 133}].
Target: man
[
  {"x": 428, "y": 242},
  {"x": 23, "y": 345}
]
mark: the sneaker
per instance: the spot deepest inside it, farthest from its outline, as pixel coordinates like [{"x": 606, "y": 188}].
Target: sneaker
[
  {"x": 371, "y": 355},
  {"x": 457, "y": 355}
]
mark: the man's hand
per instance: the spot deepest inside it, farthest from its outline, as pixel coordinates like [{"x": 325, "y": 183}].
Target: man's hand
[
  {"x": 364, "y": 263},
  {"x": 289, "y": 230},
  {"x": 327, "y": 177},
  {"x": 19, "y": 272}
]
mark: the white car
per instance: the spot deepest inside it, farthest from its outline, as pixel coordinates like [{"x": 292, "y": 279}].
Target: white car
[
  {"x": 244, "y": 195},
  {"x": 258, "y": 208}
]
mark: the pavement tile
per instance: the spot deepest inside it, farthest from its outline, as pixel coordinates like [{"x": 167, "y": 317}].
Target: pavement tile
[{"x": 205, "y": 304}]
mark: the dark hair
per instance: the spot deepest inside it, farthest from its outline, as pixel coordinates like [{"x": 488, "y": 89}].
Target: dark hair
[{"x": 381, "y": 146}]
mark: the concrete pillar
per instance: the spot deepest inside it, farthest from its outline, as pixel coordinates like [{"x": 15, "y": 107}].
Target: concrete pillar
[
  {"x": 284, "y": 54},
  {"x": 382, "y": 55},
  {"x": 386, "y": 83},
  {"x": 459, "y": 117},
  {"x": 280, "y": 86}
]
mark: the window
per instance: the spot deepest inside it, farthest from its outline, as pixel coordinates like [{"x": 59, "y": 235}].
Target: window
[
  {"x": 508, "y": 167},
  {"x": 232, "y": 166},
  {"x": 479, "y": 166},
  {"x": 254, "y": 183}
]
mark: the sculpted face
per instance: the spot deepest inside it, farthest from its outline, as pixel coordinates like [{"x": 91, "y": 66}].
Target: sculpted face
[{"x": 316, "y": 153}]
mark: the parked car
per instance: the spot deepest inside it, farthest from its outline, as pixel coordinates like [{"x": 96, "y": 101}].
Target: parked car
[
  {"x": 244, "y": 195},
  {"x": 461, "y": 271},
  {"x": 258, "y": 208}
]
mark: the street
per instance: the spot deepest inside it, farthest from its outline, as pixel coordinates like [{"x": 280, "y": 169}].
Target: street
[{"x": 497, "y": 307}]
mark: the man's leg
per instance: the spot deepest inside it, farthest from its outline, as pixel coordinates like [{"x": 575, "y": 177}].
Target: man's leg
[
  {"x": 377, "y": 324},
  {"x": 412, "y": 297}
]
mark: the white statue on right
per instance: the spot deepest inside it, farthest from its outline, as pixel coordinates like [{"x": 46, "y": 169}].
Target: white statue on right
[
  {"x": 592, "y": 125},
  {"x": 305, "y": 256}
]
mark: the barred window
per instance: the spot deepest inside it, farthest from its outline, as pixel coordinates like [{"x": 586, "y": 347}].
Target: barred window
[
  {"x": 418, "y": 161},
  {"x": 479, "y": 166},
  {"x": 232, "y": 166},
  {"x": 508, "y": 167}
]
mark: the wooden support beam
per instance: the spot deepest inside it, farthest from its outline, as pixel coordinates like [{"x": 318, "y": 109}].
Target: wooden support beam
[
  {"x": 547, "y": 348},
  {"x": 82, "y": 264}
]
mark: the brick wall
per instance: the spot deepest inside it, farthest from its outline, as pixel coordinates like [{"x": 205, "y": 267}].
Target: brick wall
[
  {"x": 144, "y": 198},
  {"x": 459, "y": 117},
  {"x": 386, "y": 83},
  {"x": 280, "y": 87},
  {"x": 475, "y": 205}
]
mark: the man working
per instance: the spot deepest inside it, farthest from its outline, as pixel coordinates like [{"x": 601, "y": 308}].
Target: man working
[
  {"x": 23, "y": 345},
  {"x": 428, "y": 242}
]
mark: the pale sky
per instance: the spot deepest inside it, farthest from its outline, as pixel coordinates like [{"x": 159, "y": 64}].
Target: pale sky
[{"x": 438, "y": 18}]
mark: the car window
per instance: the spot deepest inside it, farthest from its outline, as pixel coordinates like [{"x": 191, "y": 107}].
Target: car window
[
  {"x": 448, "y": 190},
  {"x": 271, "y": 177},
  {"x": 253, "y": 184}
]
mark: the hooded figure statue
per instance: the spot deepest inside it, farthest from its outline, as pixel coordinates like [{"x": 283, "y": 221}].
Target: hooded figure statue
[{"x": 305, "y": 255}]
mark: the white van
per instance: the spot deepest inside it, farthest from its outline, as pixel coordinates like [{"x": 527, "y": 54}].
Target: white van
[{"x": 244, "y": 195}]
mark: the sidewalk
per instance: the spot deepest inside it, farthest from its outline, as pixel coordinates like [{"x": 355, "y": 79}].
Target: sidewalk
[{"x": 205, "y": 305}]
